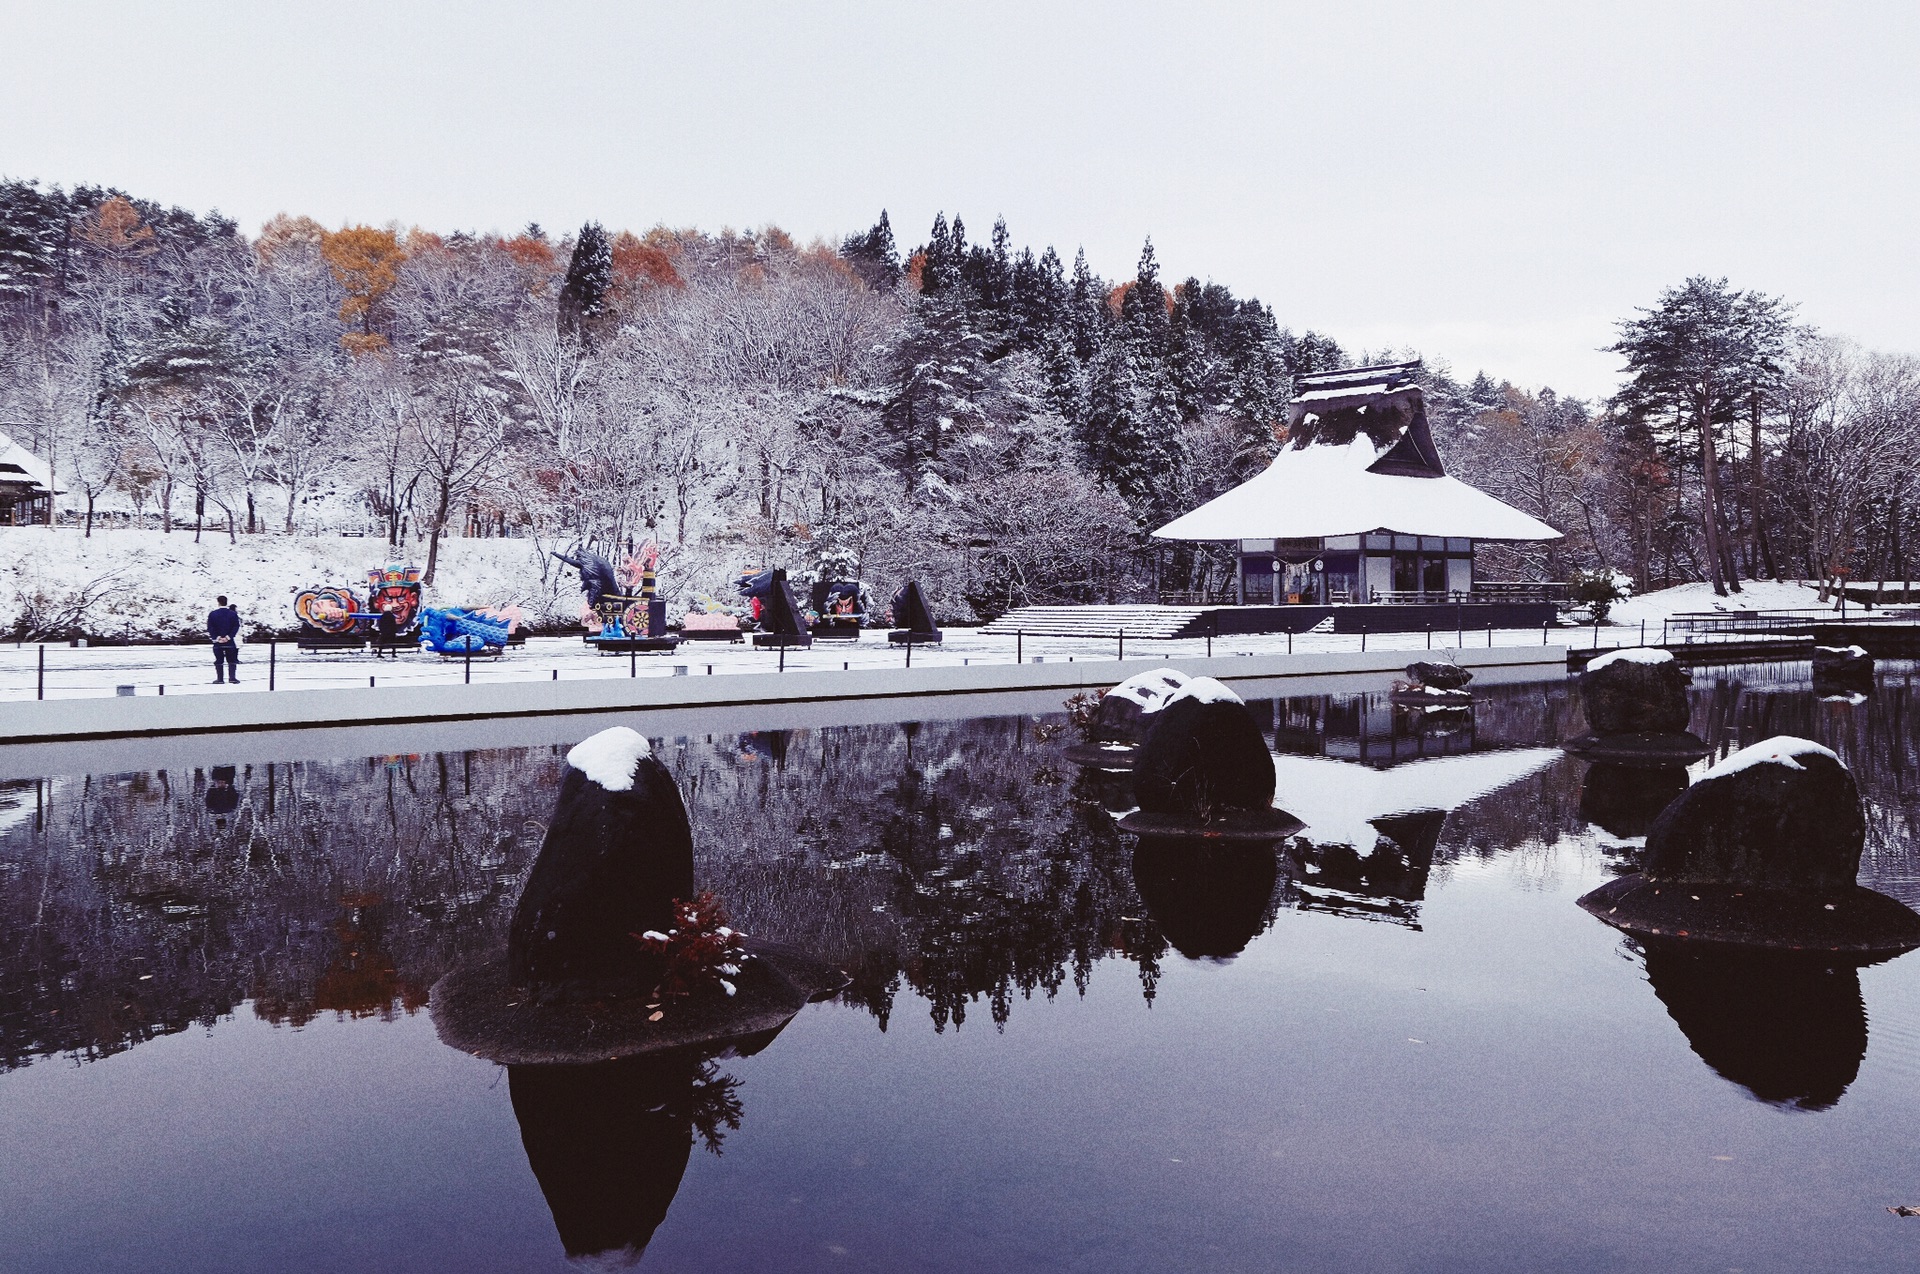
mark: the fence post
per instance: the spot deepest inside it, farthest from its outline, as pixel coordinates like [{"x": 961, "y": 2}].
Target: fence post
[
  {"x": 909, "y": 654},
  {"x": 1489, "y": 636},
  {"x": 1019, "y": 646},
  {"x": 783, "y": 657},
  {"x": 467, "y": 651},
  {"x": 1643, "y": 632},
  {"x": 273, "y": 660},
  {"x": 41, "y": 691},
  {"x": 1123, "y": 644},
  {"x": 1429, "y": 634},
  {"x": 633, "y": 662}
]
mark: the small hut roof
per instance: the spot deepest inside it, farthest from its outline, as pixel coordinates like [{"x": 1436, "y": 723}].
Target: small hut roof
[
  {"x": 1358, "y": 457},
  {"x": 21, "y": 468}
]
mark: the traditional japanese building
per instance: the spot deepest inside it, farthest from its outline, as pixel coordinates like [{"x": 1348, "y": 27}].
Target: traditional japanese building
[
  {"x": 1357, "y": 506},
  {"x": 26, "y": 486}
]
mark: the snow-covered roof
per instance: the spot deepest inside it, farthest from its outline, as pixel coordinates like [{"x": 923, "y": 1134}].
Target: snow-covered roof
[
  {"x": 1330, "y": 490},
  {"x": 19, "y": 467},
  {"x": 1358, "y": 458}
]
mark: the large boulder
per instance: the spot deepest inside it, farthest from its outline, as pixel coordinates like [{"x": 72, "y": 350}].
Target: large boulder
[
  {"x": 618, "y": 853},
  {"x": 1762, "y": 851},
  {"x": 1439, "y": 676},
  {"x": 1635, "y": 691},
  {"x": 1842, "y": 670},
  {"x": 1781, "y": 814},
  {"x": 1204, "y": 756},
  {"x": 1126, "y": 711}
]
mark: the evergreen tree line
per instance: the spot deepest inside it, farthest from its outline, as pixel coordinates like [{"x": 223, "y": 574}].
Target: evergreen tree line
[{"x": 1002, "y": 426}]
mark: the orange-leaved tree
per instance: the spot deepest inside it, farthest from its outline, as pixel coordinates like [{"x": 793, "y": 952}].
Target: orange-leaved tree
[{"x": 366, "y": 262}]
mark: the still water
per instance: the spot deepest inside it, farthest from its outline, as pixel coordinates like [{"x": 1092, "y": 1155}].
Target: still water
[{"x": 1400, "y": 1048}]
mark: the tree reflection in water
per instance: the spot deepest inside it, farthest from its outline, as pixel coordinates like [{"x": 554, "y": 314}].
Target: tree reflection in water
[{"x": 963, "y": 862}]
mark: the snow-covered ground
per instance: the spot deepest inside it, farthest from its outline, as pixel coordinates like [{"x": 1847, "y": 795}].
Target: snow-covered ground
[
  {"x": 1687, "y": 599},
  {"x": 98, "y": 670}
]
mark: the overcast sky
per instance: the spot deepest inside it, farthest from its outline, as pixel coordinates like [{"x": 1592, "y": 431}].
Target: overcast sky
[{"x": 1491, "y": 184}]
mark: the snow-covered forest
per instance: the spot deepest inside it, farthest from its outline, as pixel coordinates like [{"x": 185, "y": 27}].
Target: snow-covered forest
[{"x": 1000, "y": 423}]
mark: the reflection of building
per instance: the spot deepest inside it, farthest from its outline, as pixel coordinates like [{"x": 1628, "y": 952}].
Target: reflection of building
[
  {"x": 1368, "y": 729},
  {"x": 1357, "y": 506},
  {"x": 1371, "y": 833}
]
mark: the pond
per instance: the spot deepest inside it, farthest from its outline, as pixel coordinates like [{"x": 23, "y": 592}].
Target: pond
[{"x": 1400, "y": 1046}]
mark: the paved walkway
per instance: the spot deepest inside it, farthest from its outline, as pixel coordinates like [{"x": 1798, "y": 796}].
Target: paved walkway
[{"x": 84, "y": 672}]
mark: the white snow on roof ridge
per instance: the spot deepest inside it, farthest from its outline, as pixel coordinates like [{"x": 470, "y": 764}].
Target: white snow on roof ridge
[
  {"x": 1324, "y": 489},
  {"x": 1206, "y": 690},
  {"x": 1782, "y": 749},
  {"x": 611, "y": 758},
  {"x": 1858, "y": 652},
  {"x": 1631, "y": 655}
]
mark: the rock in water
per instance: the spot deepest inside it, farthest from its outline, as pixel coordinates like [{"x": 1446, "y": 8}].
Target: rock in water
[
  {"x": 1782, "y": 814},
  {"x": 1204, "y": 755},
  {"x": 1635, "y": 691},
  {"x": 1636, "y": 706},
  {"x": 1127, "y": 710},
  {"x": 1841, "y": 670},
  {"x": 1439, "y": 676},
  {"x": 618, "y": 852},
  {"x": 1762, "y": 851}
]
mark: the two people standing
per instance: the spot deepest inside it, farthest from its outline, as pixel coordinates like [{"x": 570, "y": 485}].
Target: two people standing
[{"x": 223, "y": 626}]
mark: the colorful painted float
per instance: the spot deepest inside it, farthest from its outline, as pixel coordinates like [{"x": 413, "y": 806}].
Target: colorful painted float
[{"x": 622, "y": 614}]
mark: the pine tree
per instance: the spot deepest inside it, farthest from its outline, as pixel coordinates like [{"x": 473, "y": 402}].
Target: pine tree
[
  {"x": 32, "y": 228},
  {"x": 583, "y": 296},
  {"x": 873, "y": 256}
]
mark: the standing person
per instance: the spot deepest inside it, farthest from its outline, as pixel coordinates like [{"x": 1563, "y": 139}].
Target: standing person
[
  {"x": 386, "y": 636},
  {"x": 223, "y": 626}
]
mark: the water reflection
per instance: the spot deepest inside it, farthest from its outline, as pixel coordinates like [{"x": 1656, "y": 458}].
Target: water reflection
[
  {"x": 609, "y": 1143},
  {"x": 1790, "y": 1028},
  {"x": 963, "y": 863},
  {"x": 1209, "y": 898}
]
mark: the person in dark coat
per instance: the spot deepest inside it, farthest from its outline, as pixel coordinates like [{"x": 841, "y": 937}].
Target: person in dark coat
[
  {"x": 387, "y": 640},
  {"x": 223, "y": 626}
]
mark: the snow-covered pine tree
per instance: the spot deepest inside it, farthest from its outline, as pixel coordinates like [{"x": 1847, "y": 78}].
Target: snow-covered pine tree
[
  {"x": 32, "y": 226},
  {"x": 583, "y": 296}
]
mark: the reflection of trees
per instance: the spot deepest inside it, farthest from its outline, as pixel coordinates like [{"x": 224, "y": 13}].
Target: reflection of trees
[
  {"x": 962, "y": 861},
  {"x": 954, "y": 858},
  {"x": 131, "y": 910}
]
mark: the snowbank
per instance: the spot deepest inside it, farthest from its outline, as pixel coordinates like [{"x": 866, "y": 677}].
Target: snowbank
[
  {"x": 1684, "y": 599},
  {"x": 148, "y": 585}
]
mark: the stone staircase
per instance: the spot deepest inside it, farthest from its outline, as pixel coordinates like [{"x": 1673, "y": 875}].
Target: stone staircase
[{"x": 1106, "y": 622}]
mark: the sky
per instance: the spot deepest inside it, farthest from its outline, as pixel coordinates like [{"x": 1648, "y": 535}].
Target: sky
[{"x": 1492, "y": 185}]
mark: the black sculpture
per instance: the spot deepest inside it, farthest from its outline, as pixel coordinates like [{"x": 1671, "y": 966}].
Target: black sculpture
[
  {"x": 597, "y": 575},
  {"x": 914, "y": 617},
  {"x": 774, "y": 607}
]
